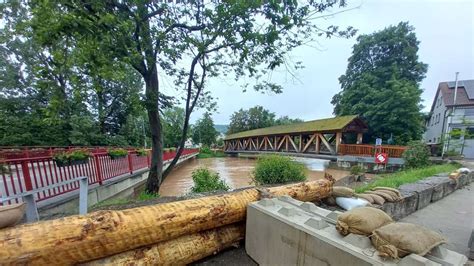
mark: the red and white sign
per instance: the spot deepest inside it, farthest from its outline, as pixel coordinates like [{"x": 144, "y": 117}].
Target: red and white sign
[{"x": 381, "y": 158}]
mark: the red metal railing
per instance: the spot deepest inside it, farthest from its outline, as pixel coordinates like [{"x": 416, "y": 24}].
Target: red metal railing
[
  {"x": 369, "y": 150},
  {"x": 26, "y": 174}
]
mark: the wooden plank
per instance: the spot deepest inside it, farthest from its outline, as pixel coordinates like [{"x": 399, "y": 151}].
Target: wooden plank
[
  {"x": 281, "y": 143},
  {"x": 309, "y": 143},
  {"x": 270, "y": 143},
  {"x": 286, "y": 142},
  {"x": 262, "y": 143}
]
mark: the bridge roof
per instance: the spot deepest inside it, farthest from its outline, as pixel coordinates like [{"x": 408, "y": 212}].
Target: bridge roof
[{"x": 322, "y": 125}]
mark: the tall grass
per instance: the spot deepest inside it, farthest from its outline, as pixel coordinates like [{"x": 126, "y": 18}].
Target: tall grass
[{"x": 407, "y": 176}]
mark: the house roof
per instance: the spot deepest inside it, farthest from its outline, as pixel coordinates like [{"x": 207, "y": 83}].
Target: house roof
[
  {"x": 464, "y": 97},
  {"x": 321, "y": 125}
]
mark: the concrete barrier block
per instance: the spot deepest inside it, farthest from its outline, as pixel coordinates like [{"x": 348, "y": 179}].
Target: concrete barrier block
[
  {"x": 284, "y": 233},
  {"x": 424, "y": 192},
  {"x": 406, "y": 205}
]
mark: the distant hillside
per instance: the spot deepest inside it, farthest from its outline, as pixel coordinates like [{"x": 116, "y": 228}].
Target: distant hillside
[{"x": 221, "y": 128}]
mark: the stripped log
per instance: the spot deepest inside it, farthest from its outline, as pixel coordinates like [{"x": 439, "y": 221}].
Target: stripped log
[
  {"x": 100, "y": 234},
  {"x": 181, "y": 250}
]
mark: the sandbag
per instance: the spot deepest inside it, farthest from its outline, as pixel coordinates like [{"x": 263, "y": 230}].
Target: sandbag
[
  {"x": 367, "y": 197},
  {"x": 380, "y": 193},
  {"x": 377, "y": 199},
  {"x": 394, "y": 190},
  {"x": 388, "y": 195},
  {"x": 350, "y": 203},
  {"x": 361, "y": 221},
  {"x": 397, "y": 240},
  {"x": 342, "y": 192}
]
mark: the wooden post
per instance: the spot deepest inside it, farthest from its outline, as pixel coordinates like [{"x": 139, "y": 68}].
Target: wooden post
[
  {"x": 359, "y": 138},
  {"x": 301, "y": 143},
  {"x": 286, "y": 142},
  {"x": 338, "y": 140},
  {"x": 317, "y": 147}
]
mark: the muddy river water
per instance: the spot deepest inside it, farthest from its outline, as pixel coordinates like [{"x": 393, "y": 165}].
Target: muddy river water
[{"x": 235, "y": 171}]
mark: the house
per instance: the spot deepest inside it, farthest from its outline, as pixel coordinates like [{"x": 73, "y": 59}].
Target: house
[{"x": 456, "y": 117}]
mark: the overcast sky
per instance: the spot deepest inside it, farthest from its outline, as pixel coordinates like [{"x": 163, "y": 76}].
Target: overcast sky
[{"x": 444, "y": 28}]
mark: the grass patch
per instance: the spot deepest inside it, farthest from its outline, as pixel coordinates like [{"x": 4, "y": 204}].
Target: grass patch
[
  {"x": 210, "y": 154},
  {"x": 407, "y": 176}
]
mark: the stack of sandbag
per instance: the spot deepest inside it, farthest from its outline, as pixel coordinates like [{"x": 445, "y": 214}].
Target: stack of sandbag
[
  {"x": 380, "y": 195},
  {"x": 361, "y": 221},
  {"x": 392, "y": 240},
  {"x": 396, "y": 240}
]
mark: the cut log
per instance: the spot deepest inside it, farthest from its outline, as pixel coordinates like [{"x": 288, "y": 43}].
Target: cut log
[
  {"x": 100, "y": 234},
  {"x": 181, "y": 250}
]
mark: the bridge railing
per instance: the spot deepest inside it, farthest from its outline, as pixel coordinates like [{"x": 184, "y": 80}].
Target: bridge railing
[
  {"x": 26, "y": 174},
  {"x": 369, "y": 150}
]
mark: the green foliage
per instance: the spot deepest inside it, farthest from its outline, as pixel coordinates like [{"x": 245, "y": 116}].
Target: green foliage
[
  {"x": 117, "y": 152},
  {"x": 416, "y": 155},
  {"x": 204, "y": 131},
  {"x": 381, "y": 87},
  {"x": 205, "y": 152},
  {"x": 256, "y": 117},
  {"x": 275, "y": 169},
  {"x": 69, "y": 156},
  {"x": 356, "y": 170},
  {"x": 147, "y": 196},
  {"x": 173, "y": 120},
  {"x": 206, "y": 181},
  {"x": 408, "y": 176},
  {"x": 142, "y": 152}
]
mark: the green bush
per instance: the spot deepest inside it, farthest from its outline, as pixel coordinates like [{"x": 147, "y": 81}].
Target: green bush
[
  {"x": 205, "y": 150},
  {"x": 416, "y": 155},
  {"x": 275, "y": 169},
  {"x": 142, "y": 152},
  {"x": 205, "y": 181},
  {"x": 357, "y": 170},
  {"x": 147, "y": 196},
  {"x": 117, "y": 152},
  {"x": 66, "y": 157}
]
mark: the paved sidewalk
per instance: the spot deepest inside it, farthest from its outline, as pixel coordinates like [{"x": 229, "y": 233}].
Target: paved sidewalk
[{"x": 452, "y": 216}]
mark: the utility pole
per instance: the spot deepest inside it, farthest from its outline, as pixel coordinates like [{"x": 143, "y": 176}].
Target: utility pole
[{"x": 448, "y": 128}]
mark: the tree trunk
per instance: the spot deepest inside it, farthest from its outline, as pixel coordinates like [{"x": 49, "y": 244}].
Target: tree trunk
[
  {"x": 156, "y": 168},
  {"x": 179, "y": 251},
  {"x": 101, "y": 234}
]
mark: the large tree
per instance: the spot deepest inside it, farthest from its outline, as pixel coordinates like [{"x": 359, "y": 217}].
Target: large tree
[
  {"x": 382, "y": 84},
  {"x": 204, "y": 131},
  {"x": 256, "y": 117},
  {"x": 172, "y": 120},
  {"x": 189, "y": 41}
]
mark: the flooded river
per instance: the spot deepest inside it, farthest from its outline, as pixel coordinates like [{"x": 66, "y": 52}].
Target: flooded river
[{"x": 235, "y": 171}]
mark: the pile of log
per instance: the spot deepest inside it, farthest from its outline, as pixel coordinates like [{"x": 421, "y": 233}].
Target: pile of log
[{"x": 171, "y": 233}]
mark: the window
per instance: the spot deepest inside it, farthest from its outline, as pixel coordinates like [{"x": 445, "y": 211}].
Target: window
[
  {"x": 469, "y": 112},
  {"x": 437, "y": 118}
]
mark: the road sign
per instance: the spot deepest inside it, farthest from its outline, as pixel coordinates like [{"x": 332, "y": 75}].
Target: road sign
[{"x": 381, "y": 158}]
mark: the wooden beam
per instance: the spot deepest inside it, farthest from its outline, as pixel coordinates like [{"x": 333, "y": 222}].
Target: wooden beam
[
  {"x": 317, "y": 147},
  {"x": 270, "y": 143},
  {"x": 359, "y": 138},
  {"x": 325, "y": 142},
  {"x": 261, "y": 144},
  {"x": 338, "y": 140},
  {"x": 300, "y": 143},
  {"x": 332, "y": 138},
  {"x": 253, "y": 143},
  {"x": 265, "y": 140},
  {"x": 308, "y": 143},
  {"x": 293, "y": 143},
  {"x": 286, "y": 143},
  {"x": 275, "y": 141},
  {"x": 280, "y": 144}
]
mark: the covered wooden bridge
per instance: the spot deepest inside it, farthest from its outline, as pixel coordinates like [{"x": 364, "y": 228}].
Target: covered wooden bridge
[{"x": 324, "y": 136}]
